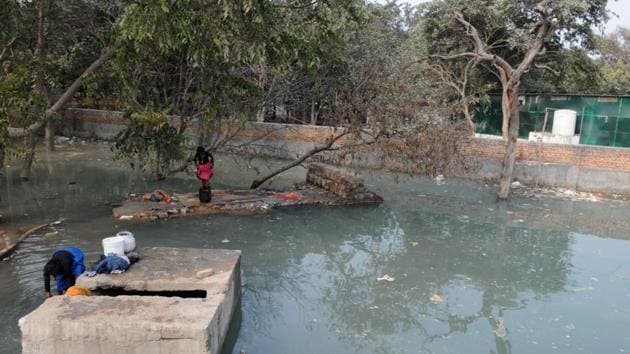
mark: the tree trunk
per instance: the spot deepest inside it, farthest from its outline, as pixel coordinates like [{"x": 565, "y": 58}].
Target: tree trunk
[
  {"x": 50, "y": 136},
  {"x": 510, "y": 150},
  {"x": 2, "y": 154},
  {"x": 505, "y": 110},
  {"x": 260, "y": 115},
  {"x": 27, "y": 162},
  {"x": 40, "y": 55},
  {"x": 313, "y": 113},
  {"x": 469, "y": 118}
]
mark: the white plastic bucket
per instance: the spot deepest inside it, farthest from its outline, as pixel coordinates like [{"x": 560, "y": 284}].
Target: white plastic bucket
[
  {"x": 130, "y": 241},
  {"x": 115, "y": 245}
]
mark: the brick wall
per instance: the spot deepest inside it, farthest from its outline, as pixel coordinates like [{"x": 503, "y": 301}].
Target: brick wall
[
  {"x": 484, "y": 148},
  {"x": 584, "y": 156}
]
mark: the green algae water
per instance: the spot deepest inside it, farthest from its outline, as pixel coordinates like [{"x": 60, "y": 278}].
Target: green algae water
[{"x": 459, "y": 273}]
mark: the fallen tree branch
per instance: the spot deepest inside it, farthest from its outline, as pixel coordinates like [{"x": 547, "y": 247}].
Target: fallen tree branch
[
  {"x": 65, "y": 97},
  {"x": 257, "y": 183}
]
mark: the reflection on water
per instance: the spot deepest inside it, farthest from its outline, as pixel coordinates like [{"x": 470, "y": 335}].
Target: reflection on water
[{"x": 510, "y": 279}]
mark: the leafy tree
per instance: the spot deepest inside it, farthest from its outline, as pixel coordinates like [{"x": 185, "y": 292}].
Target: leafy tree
[
  {"x": 204, "y": 62},
  {"x": 44, "y": 64},
  {"x": 508, "y": 37},
  {"x": 614, "y": 58}
]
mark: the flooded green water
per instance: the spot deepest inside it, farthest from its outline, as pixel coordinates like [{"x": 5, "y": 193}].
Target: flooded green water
[{"x": 530, "y": 276}]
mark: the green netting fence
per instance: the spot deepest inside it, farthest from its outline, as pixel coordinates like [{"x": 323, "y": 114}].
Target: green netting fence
[{"x": 601, "y": 120}]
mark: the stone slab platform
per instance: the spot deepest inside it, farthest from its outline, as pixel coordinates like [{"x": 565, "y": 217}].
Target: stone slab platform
[
  {"x": 239, "y": 202},
  {"x": 143, "y": 324}
]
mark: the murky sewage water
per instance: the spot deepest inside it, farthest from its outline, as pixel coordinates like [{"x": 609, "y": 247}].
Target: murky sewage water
[{"x": 469, "y": 275}]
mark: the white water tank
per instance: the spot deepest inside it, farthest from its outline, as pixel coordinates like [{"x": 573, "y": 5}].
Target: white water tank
[
  {"x": 130, "y": 241},
  {"x": 564, "y": 122},
  {"x": 114, "y": 245}
]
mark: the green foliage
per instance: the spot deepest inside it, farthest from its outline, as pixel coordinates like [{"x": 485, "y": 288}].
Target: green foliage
[
  {"x": 614, "y": 59},
  {"x": 149, "y": 142},
  {"x": 18, "y": 104},
  {"x": 75, "y": 31},
  {"x": 201, "y": 60}
]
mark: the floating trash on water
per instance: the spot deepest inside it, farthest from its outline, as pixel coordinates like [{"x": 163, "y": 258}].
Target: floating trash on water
[
  {"x": 594, "y": 279},
  {"x": 51, "y": 234},
  {"x": 500, "y": 331},
  {"x": 414, "y": 244},
  {"x": 436, "y": 299},
  {"x": 126, "y": 217},
  {"x": 577, "y": 290},
  {"x": 386, "y": 278},
  {"x": 373, "y": 307},
  {"x": 225, "y": 240},
  {"x": 516, "y": 184},
  {"x": 55, "y": 223}
]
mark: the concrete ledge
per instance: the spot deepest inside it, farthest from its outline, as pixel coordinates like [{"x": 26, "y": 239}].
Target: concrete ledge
[{"x": 143, "y": 324}]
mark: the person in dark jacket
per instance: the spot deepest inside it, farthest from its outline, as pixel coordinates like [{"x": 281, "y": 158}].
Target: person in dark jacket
[{"x": 66, "y": 264}]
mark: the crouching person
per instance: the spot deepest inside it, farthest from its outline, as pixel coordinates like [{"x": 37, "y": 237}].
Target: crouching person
[{"x": 66, "y": 264}]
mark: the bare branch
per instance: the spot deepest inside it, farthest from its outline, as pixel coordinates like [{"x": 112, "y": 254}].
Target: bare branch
[
  {"x": 480, "y": 46},
  {"x": 548, "y": 68},
  {"x": 257, "y": 183},
  {"x": 4, "y": 50}
]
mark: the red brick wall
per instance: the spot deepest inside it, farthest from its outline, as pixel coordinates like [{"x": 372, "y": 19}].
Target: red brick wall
[
  {"x": 577, "y": 155},
  {"x": 482, "y": 148}
]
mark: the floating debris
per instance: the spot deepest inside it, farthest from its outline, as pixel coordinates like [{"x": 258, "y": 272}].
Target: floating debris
[
  {"x": 126, "y": 217},
  {"x": 225, "y": 240},
  {"x": 500, "y": 331},
  {"x": 386, "y": 278},
  {"x": 51, "y": 234},
  {"x": 577, "y": 290},
  {"x": 436, "y": 299}
]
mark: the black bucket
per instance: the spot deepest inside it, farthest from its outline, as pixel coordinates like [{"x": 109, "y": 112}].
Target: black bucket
[{"x": 205, "y": 195}]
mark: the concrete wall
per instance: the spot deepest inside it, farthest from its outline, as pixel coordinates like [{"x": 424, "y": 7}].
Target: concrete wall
[{"x": 580, "y": 167}]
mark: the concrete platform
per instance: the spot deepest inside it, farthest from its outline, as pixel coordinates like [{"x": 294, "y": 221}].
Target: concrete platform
[
  {"x": 325, "y": 186},
  {"x": 192, "y": 295}
]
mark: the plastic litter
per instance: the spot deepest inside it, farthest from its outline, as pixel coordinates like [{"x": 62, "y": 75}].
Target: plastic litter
[
  {"x": 386, "y": 278},
  {"x": 436, "y": 299},
  {"x": 126, "y": 217},
  {"x": 577, "y": 290},
  {"x": 288, "y": 196},
  {"x": 500, "y": 331},
  {"x": 51, "y": 234}
]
